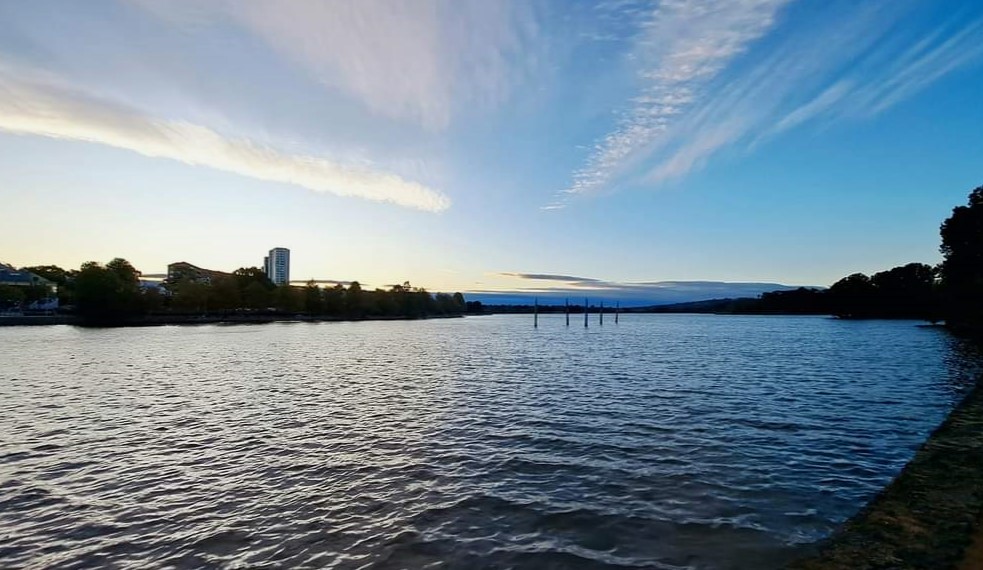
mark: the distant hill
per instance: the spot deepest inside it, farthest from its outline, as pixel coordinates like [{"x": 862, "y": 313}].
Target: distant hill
[
  {"x": 708, "y": 306},
  {"x": 646, "y": 294},
  {"x": 799, "y": 301}
]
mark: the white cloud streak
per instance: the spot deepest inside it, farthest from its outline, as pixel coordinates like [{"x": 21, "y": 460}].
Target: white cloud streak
[
  {"x": 420, "y": 61},
  {"x": 871, "y": 68},
  {"x": 815, "y": 107},
  {"x": 650, "y": 292},
  {"x": 854, "y": 61},
  {"x": 922, "y": 64},
  {"x": 683, "y": 45},
  {"x": 46, "y": 108}
]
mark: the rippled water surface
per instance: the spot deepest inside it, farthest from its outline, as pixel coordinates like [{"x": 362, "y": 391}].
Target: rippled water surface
[{"x": 667, "y": 441}]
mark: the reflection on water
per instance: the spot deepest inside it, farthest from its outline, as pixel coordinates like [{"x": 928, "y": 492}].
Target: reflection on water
[{"x": 667, "y": 441}]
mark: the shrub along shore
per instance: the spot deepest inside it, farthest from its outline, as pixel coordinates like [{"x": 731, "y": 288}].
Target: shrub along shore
[
  {"x": 114, "y": 295},
  {"x": 210, "y": 319}
]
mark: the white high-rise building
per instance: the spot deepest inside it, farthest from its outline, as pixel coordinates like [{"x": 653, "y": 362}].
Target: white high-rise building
[{"x": 277, "y": 265}]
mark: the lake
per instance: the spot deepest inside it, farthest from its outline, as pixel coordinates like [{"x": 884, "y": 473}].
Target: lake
[{"x": 665, "y": 441}]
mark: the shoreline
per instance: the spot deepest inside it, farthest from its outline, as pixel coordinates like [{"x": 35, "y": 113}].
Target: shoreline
[
  {"x": 165, "y": 320},
  {"x": 929, "y": 516}
]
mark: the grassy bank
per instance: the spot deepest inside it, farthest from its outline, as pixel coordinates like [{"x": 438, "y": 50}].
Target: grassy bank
[{"x": 930, "y": 516}]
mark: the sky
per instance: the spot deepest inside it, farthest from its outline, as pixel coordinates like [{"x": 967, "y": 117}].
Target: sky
[{"x": 475, "y": 145}]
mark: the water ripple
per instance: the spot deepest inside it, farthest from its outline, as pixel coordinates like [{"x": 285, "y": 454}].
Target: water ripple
[{"x": 667, "y": 442}]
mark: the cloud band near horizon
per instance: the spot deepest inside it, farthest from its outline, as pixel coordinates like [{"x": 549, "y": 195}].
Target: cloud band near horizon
[{"x": 48, "y": 109}]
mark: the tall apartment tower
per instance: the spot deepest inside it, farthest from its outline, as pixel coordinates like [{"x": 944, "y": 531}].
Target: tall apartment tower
[{"x": 277, "y": 265}]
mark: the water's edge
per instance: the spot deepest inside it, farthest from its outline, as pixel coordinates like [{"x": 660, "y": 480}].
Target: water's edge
[
  {"x": 929, "y": 515},
  {"x": 163, "y": 320}
]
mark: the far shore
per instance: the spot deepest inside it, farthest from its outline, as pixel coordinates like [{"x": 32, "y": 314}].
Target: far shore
[{"x": 163, "y": 320}]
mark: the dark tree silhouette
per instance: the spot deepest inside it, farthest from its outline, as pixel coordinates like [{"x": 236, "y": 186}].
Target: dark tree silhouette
[
  {"x": 908, "y": 291},
  {"x": 801, "y": 301},
  {"x": 353, "y": 300},
  {"x": 111, "y": 294},
  {"x": 224, "y": 294},
  {"x": 852, "y": 296},
  {"x": 313, "y": 299},
  {"x": 962, "y": 268},
  {"x": 288, "y": 299},
  {"x": 190, "y": 296},
  {"x": 334, "y": 300},
  {"x": 256, "y": 296},
  {"x": 108, "y": 294}
]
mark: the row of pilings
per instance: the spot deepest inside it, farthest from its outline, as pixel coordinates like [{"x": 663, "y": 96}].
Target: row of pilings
[{"x": 566, "y": 305}]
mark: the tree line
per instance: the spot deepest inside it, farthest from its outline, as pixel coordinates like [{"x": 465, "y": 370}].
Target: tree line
[
  {"x": 112, "y": 292},
  {"x": 951, "y": 291},
  {"x": 911, "y": 291}
]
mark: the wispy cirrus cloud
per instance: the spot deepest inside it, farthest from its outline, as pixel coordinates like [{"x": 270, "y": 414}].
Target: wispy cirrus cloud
[
  {"x": 680, "y": 48},
  {"x": 45, "y": 107},
  {"x": 629, "y": 293},
  {"x": 924, "y": 61},
  {"x": 422, "y": 61},
  {"x": 232, "y": 85},
  {"x": 699, "y": 95},
  {"x": 815, "y": 107},
  {"x": 550, "y": 277},
  {"x": 875, "y": 65}
]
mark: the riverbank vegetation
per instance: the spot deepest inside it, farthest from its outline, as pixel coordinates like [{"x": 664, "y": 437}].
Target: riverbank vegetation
[
  {"x": 113, "y": 293},
  {"x": 951, "y": 291},
  {"x": 911, "y": 291}
]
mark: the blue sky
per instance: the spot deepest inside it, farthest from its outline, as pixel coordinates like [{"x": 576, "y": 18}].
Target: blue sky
[{"x": 465, "y": 145}]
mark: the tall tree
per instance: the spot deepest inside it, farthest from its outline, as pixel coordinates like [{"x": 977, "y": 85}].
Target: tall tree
[
  {"x": 353, "y": 300},
  {"x": 127, "y": 274},
  {"x": 446, "y": 304},
  {"x": 334, "y": 300},
  {"x": 287, "y": 299},
  {"x": 852, "y": 296},
  {"x": 151, "y": 300},
  {"x": 107, "y": 294},
  {"x": 256, "y": 296},
  {"x": 190, "y": 295},
  {"x": 224, "y": 294},
  {"x": 313, "y": 300},
  {"x": 962, "y": 268},
  {"x": 907, "y": 291}
]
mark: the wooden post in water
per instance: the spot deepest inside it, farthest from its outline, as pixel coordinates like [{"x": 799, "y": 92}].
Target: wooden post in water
[
  {"x": 600, "y": 315},
  {"x": 567, "y": 304},
  {"x": 617, "y": 309},
  {"x": 585, "y": 312},
  {"x": 535, "y": 314}
]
